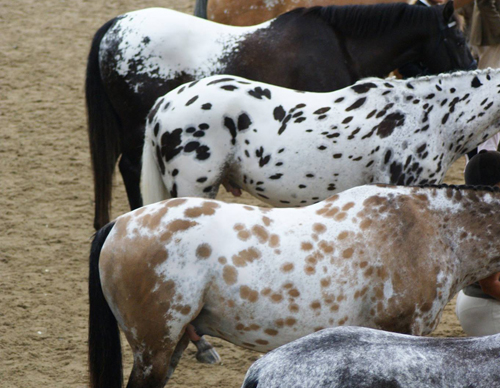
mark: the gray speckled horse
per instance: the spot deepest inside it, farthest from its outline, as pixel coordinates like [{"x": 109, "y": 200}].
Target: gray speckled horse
[{"x": 346, "y": 357}]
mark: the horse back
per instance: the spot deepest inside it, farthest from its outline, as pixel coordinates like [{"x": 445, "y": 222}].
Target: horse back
[
  {"x": 382, "y": 360},
  {"x": 306, "y": 49}
]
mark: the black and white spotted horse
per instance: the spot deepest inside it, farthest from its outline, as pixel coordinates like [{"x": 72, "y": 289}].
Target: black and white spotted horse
[
  {"x": 138, "y": 57},
  {"x": 346, "y": 357},
  {"x": 291, "y": 148}
]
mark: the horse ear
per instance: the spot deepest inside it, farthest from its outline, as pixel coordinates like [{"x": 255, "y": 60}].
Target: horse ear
[{"x": 448, "y": 11}]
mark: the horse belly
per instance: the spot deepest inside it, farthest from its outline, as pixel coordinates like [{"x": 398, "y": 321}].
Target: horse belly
[
  {"x": 256, "y": 318},
  {"x": 262, "y": 333},
  {"x": 298, "y": 173}
]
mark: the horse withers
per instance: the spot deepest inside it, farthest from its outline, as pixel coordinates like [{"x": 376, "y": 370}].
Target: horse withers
[
  {"x": 138, "y": 57},
  {"x": 294, "y": 149},
  {"x": 389, "y": 258},
  {"x": 346, "y": 357}
]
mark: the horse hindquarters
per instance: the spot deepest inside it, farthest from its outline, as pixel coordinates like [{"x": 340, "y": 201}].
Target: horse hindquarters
[
  {"x": 189, "y": 164},
  {"x": 103, "y": 129},
  {"x": 105, "y": 359}
]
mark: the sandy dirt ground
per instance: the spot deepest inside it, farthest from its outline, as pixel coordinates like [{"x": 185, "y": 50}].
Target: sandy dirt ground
[{"x": 46, "y": 199}]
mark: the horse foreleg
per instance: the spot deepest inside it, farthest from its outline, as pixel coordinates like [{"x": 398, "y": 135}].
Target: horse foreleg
[
  {"x": 206, "y": 352},
  {"x": 130, "y": 169}
]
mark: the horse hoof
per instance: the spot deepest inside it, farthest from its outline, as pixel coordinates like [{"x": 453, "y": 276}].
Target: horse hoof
[{"x": 208, "y": 355}]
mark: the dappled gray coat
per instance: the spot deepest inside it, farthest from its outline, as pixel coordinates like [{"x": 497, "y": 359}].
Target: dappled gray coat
[{"x": 346, "y": 357}]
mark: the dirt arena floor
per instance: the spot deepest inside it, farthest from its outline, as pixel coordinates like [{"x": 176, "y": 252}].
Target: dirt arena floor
[{"x": 46, "y": 200}]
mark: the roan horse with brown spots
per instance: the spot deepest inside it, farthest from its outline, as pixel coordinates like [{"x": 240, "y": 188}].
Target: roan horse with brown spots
[
  {"x": 250, "y": 12},
  {"x": 377, "y": 256}
]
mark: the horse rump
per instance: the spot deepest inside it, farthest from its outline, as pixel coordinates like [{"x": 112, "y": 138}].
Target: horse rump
[{"x": 105, "y": 356}]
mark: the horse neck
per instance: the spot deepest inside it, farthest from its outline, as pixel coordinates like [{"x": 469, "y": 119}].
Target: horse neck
[
  {"x": 469, "y": 224},
  {"x": 466, "y": 108},
  {"x": 400, "y": 46}
]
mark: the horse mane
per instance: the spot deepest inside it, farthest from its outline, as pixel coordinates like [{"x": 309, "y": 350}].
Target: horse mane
[
  {"x": 490, "y": 189},
  {"x": 369, "y": 20},
  {"x": 431, "y": 78}
]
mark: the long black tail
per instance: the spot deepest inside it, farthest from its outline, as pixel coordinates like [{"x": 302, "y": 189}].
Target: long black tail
[
  {"x": 251, "y": 378},
  {"x": 104, "y": 131},
  {"x": 105, "y": 354},
  {"x": 250, "y": 383},
  {"x": 200, "y": 9}
]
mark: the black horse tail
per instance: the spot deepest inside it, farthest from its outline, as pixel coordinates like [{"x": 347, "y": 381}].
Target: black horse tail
[
  {"x": 104, "y": 131},
  {"x": 105, "y": 354},
  {"x": 200, "y": 9},
  {"x": 251, "y": 380}
]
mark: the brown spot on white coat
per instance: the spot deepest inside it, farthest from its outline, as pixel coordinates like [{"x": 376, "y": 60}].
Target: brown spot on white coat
[
  {"x": 207, "y": 208},
  {"x": 246, "y": 256}
]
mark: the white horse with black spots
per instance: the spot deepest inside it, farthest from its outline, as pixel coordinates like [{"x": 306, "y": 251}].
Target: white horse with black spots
[{"x": 292, "y": 148}]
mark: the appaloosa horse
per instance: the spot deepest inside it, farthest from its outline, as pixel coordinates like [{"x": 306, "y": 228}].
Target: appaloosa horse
[
  {"x": 346, "y": 357},
  {"x": 294, "y": 149},
  {"x": 139, "y": 56},
  {"x": 383, "y": 257},
  {"x": 250, "y": 12}
]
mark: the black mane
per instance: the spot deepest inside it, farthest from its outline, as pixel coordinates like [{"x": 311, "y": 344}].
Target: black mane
[
  {"x": 491, "y": 189},
  {"x": 370, "y": 20}
]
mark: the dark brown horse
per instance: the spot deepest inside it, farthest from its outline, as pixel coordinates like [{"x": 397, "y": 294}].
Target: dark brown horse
[{"x": 139, "y": 56}]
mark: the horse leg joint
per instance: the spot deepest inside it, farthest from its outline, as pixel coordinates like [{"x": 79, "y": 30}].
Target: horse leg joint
[{"x": 206, "y": 353}]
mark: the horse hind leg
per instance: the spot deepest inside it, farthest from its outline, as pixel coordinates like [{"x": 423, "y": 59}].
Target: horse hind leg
[
  {"x": 199, "y": 170},
  {"x": 153, "y": 368},
  {"x": 130, "y": 169},
  {"x": 206, "y": 353},
  {"x": 176, "y": 356},
  {"x": 180, "y": 177}
]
